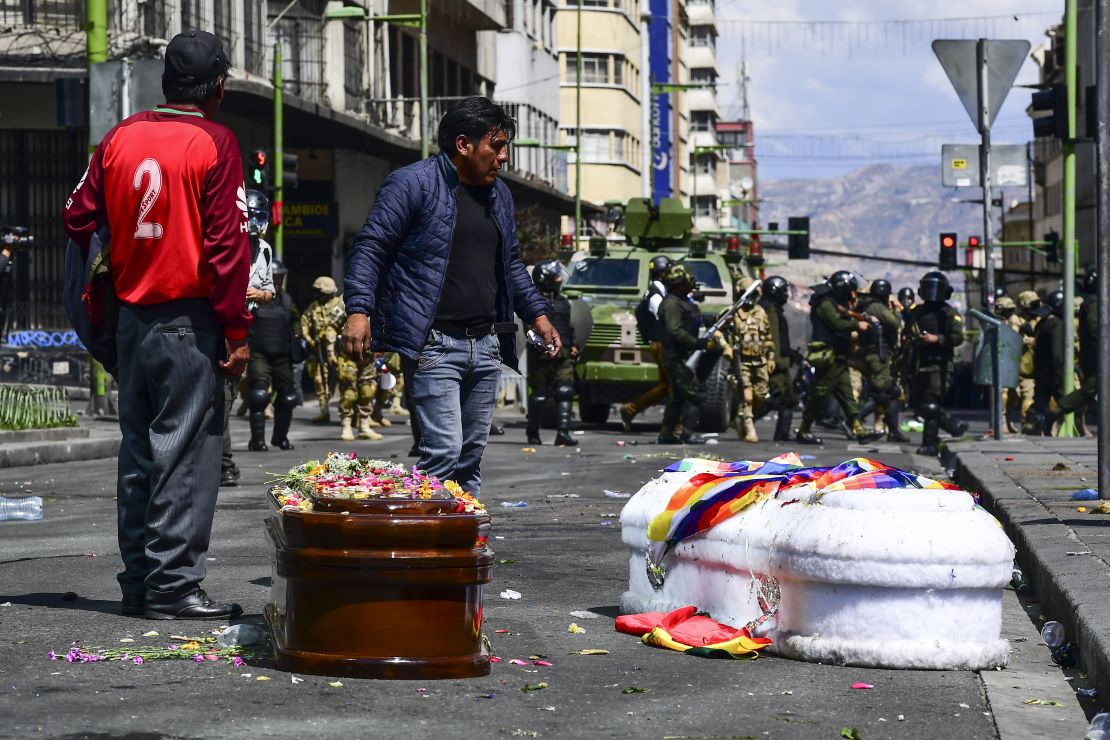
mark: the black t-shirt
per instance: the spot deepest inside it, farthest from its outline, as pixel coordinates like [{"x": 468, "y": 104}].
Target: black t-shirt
[{"x": 469, "y": 297}]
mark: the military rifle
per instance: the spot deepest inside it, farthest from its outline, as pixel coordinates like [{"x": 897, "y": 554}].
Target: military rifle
[
  {"x": 722, "y": 320},
  {"x": 876, "y": 327}
]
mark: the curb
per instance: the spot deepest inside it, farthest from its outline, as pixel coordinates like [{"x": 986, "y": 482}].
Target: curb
[
  {"x": 46, "y": 452},
  {"x": 1071, "y": 590}
]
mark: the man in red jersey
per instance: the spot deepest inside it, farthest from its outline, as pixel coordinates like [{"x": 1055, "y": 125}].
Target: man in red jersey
[{"x": 167, "y": 184}]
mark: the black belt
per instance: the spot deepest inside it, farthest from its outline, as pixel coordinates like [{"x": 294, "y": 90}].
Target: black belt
[{"x": 481, "y": 330}]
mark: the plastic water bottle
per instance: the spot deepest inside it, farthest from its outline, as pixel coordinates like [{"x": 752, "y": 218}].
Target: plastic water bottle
[
  {"x": 241, "y": 634},
  {"x": 20, "y": 508},
  {"x": 1017, "y": 580},
  {"x": 1053, "y": 634},
  {"x": 1100, "y": 727}
]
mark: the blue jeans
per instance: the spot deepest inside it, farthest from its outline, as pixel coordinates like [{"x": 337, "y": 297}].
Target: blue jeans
[{"x": 454, "y": 387}]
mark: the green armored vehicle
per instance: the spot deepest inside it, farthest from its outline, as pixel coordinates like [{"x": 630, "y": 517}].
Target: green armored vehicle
[{"x": 605, "y": 285}]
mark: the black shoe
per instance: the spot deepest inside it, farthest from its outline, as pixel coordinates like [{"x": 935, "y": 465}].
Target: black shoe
[
  {"x": 496, "y": 430},
  {"x": 196, "y": 605},
  {"x": 563, "y": 439},
  {"x": 894, "y": 434},
  {"x": 807, "y": 438},
  {"x": 257, "y": 445},
  {"x": 668, "y": 439},
  {"x": 927, "y": 451},
  {"x": 283, "y": 444},
  {"x": 414, "y": 451},
  {"x": 868, "y": 436},
  {"x": 229, "y": 478},
  {"x": 133, "y": 605},
  {"x": 958, "y": 429}
]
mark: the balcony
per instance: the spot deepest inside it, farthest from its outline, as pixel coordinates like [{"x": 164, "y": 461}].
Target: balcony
[
  {"x": 702, "y": 100},
  {"x": 701, "y": 57},
  {"x": 701, "y": 14}
]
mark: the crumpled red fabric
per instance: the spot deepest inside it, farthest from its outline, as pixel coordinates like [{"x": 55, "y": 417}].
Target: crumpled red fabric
[{"x": 684, "y": 625}]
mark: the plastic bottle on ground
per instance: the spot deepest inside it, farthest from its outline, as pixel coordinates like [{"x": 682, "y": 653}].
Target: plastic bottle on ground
[
  {"x": 20, "y": 508},
  {"x": 1100, "y": 727},
  {"x": 241, "y": 634},
  {"x": 1053, "y": 634}
]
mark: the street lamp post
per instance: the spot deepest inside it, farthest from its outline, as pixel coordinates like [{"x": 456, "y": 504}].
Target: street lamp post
[
  {"x": 410, "y": 20},
  {"x": 578, "y": 124}
]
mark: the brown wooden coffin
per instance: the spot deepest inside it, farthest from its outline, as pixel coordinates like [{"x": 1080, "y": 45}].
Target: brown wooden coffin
[{"x": 379, "y": 589}]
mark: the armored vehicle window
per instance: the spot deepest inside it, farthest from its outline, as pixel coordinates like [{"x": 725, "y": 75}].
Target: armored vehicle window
[
  {"x": 617, "y": 273},
  {"x": 705, "y": 273}
]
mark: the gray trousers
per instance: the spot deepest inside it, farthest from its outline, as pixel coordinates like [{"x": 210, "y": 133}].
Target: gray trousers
[
  {"x": 231, "y": 390},
  {"x": 171, "y": 396}
]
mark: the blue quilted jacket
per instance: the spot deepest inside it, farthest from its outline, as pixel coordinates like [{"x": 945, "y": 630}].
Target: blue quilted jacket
[{"x": 399, "y": 260}]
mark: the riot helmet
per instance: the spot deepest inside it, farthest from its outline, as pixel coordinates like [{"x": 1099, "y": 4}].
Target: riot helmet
[
  {"x": 548, "y": 276},
  {"x": 905, "y": 296},
  {"x": 657, "y": 266},
  {"x": 881, "y": 289},
  {"x": 934, "y": 286},
  {"x": 677, "y": 276},
  {"x": 279, "y": 272},
  {"x": 1054, "y": 302},
  {"x": 1090, "y": 281},
  {"x": 776, "y": 289},
  {"x": 843, "y": 284},
  {"x": 258, "y": 213}
]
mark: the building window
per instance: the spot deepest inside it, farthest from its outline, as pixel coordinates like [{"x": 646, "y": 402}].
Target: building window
[
  {"x": 595, "y": 69},
  {"x": 703, "y": 75},
  {"x": 605, "y": 146},
  {"x": 691, "y": 3},
  {"x": 702, "y": 120},
  {"x": 702, "y": 36},
  {"x": 705, "y": 206},
  {"x": 705, "y": 164}
]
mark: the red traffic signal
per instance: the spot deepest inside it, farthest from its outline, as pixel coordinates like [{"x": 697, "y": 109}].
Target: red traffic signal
[
  {"x": 973, "y": 242},
  {"x": 258, "y": 158},
  {"x": 947, "y": 258}
]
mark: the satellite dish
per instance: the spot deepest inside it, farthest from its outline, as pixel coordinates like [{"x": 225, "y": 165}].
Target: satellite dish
[{"x": 746, "y": 183}]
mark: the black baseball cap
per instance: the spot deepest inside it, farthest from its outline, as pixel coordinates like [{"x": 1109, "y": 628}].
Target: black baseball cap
[{"x": 193, "y": 57}]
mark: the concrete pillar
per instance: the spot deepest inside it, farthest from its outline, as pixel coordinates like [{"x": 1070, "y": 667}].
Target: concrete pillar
[{"x": 334, "y": 61}]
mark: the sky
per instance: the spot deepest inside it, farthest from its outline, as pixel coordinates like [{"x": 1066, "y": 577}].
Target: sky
[{"x": 828, "y": 99}]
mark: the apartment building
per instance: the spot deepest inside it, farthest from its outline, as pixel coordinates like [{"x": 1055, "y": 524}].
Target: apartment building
[
  {"x": 705, "y": 183},
  {"x": 351, "y": 108}
]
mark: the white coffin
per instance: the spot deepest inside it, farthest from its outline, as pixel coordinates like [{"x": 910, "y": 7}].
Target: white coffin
[{"x": 895, "y": 578}]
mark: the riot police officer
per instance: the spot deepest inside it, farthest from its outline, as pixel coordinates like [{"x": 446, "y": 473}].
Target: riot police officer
[
  {"x": 933, "y": 332},
  {"x": 834, "y": 332},
  {"x": 1087, "y": 391},
  {"x": 1048, "y": 361},
  {"x": 756, "y": 348},
  {"x": 878, "y": 357},
  {"x": 271, "y": 340},
  {"x": 681, "y": 323},
  {"x": 320, "y": 326},
  {"x": 780, "y": 386},
  {"x": 651, "y": 329},
  {"x": 552, "y": 376}
]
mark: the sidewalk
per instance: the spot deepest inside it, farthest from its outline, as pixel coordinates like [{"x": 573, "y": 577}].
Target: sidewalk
[
  {"x": 92, "y": 439},
  {"x": 1063, "y": 553}
]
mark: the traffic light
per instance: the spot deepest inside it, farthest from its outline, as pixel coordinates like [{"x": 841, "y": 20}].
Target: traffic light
[
  {"x": 289, "y": 164},
  {"x": 947, "y": 259},
  {"x": 1052, "y": 248},
  {"x": 1055, "y": 123},
  {"x": 258, "y": 170},
  {"x": 797, "y": 245},
  {"x": 973, "y": 242}
]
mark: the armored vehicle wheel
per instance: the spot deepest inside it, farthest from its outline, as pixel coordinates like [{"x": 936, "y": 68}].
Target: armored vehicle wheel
[
  {"x": 593, "y": 413},
  {"x": 717, "y": 408}
]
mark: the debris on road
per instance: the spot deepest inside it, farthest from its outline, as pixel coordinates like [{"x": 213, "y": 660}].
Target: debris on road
[
  {"x": 510, "y": 594},
  {"x": 583, "y": 614},
  {"x": 534, "y": 686},
  {"x": 862, "y": 685},
  {"x": 635, "y": 690},
  {"x": 591, "y": 651},
  {"x": 574, "y": 629}
]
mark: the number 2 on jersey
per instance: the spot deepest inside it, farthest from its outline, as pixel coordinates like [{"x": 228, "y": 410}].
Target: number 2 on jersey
[{"x": 143, "y": 229}]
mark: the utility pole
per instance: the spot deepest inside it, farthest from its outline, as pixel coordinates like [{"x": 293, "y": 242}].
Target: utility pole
[
  {"x": 96, "y": 52},
  {"x": 1102, "y": 142},
  {"x": 279, "y": 153},
  {"x": 578, "y": 126},
  {"x": 983, "y": 67},
  {"x": 1067, "y": 426},
  {"x": 424, "y": 79}
]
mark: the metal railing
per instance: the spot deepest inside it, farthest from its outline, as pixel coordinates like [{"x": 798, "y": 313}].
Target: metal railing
[{"x": 64, "y": 14}]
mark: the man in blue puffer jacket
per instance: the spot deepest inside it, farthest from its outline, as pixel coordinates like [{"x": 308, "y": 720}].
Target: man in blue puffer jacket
[{"x": 437, "y": 271}]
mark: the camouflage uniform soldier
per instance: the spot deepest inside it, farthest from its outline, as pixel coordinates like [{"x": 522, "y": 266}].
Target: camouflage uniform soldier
[
  {"x": 756, "y": 347},
  {"x": 877, "y": 360},
  {"x": 934, "y": 331},
  {"x": 1029, "y": 305},
  {"x": 1087, "y": 335},
  {"x": 1006, "y": 310},
  {"x": 358, "y": 391},
  {"x": 320, "y": 326},
  {"x": 681, "y": 322},
  {"x": 833, "y": 334}
]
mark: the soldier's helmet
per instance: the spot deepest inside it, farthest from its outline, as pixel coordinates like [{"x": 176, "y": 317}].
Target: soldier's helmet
[
  {"x": 258, "y": 213},
  {"x": 1005, "y": 304},
  {"x": 325, "y": 285},
  {"x": 776, "y": 289},
  {"x": 905, "y": 296},
  {"x": 1028, "y": 300},
  {"x": 743, "y": 283},
  {"x": 1054, "y": 301},
  {"x": 934, "y": 286},
  {"x": 881, "y": 289},
  {"x": 677, "y": 275},
  {"x": 658, "y": 265},
  {"x": 548, "y": 275},
  {"x": 1090, "y": 281},
  {"x": 843, "y": 284}
]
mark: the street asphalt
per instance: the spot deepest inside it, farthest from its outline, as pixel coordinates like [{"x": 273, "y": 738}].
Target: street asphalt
[{"x": 562, "y": 552}]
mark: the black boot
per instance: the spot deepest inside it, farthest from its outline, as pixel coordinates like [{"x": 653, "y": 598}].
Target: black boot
[
  {"x": 691, "y": 415},
  {"x": 783, "y": 425},
  {"x": 535, "y": 411},
  {"x": 283, "y": 418},
  {"x": 953, "y": 426},
  {"x": 562, "y": 425},
  {"x": 804, "y": 435},
  {"x": 258, "y": 432},
  {"x": 893, "y": 423},
  {"x": 929, "y": 438}
]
